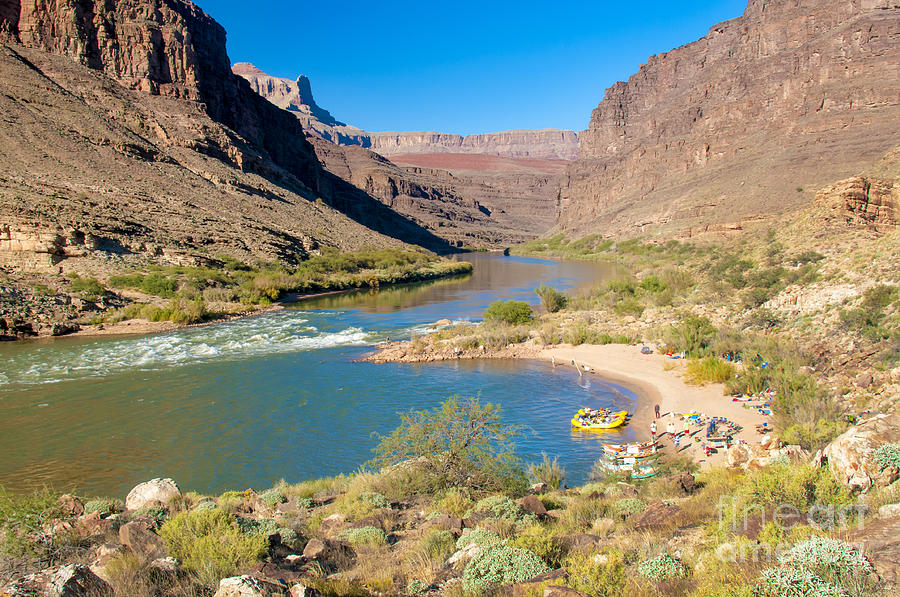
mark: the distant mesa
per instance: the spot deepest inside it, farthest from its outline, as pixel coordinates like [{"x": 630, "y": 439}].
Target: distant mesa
[{"x": 296, "y": 96}]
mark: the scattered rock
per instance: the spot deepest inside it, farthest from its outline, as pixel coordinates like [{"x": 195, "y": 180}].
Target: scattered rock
[
  {"x": 685, "y": 482},
  {"x": 450, "y": 523},
  {"x": 657, "y": 515},
  {"x": 155, "y": 492},
  {"x": 332, "y": 523},
  {"x": 248, "y": 586},
  {"x": 889, "y": 511},
  {"x": 539, "y": 488},
  {"x": 139, "y": 537},
  {"x": 71, "y": 505},
  {"x": 580, "y": 541},
  {"x": 300, "y": 590},
  {"x": 76, "y": 580},
  {"x": 165, "y": 566},
  {"x": 315, "y": 549},
  {"x": 532, "y": 505}
]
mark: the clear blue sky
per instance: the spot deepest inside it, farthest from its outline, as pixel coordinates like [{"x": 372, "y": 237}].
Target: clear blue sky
[{"x": 461, "y": 67}]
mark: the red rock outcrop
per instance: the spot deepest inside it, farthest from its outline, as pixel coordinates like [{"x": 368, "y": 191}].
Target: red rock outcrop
[
  {"x": 792, "y": 95},
  {"x": 871, "y": 202}
]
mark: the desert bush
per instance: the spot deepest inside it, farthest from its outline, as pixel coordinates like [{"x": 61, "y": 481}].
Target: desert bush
[
  {"x": 511, "y": 312},
  {"x": 250, "y": 526},
  {"x": 547, "y": 471},
  {"x": 88, "y": 286},
  {"x": 589, "y": 576},
  {"x": 157, "y": 513},
  {"x": 498, "y": 506},
  {"x": 551, "y": 298},
  {"x": 376, "y": 499},
  {"x": 692, "y": 335},
  {"x": 629, "y": 306},
  {"x": 820, "y": 566},
  {"x": 458, "y": 444},
  {"x": 497, "y": 565},
  {"x": 539, "y": 540},
  {"x": 477, "y": 537},
  {"x": 625, "y": 507},
  {"x": 662, "y": 567},
  {"x": 272, "y": 497},
  {"x": 455, "y": 501},
  {"x": 370, "y": 536},
  {"x": 210, "y": 544},
  {"x": 104, "y": 506},
  {"x": 437, "y": 544},
  {"x": 24, "y": 520},
  {"x": 887, "y": 456},
  {"x": 709, "y": 369}
]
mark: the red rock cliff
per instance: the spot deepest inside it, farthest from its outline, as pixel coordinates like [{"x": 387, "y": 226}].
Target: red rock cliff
[{"x": 790, "y": 96}]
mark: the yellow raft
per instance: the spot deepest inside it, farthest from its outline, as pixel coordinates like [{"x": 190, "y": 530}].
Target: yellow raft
[{"x": 610, "y": 422}]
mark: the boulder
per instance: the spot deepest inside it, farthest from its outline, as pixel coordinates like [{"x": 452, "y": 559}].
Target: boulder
[
  {"x": 71, "y": 505},
  {"x": 528, "y": 588},
  {"x": 152, "y": 493},
  {"x": 315, "y": 549},
  {"x": 167, "y": 566},
  {"x": 76, "y": 580},
  {"x": 579, "y": 542},
  {"x": 332, "y": 523},
  {"x": 248, "y": 586},
  {"x": 851, "y": 455},
  {"x": 139, "y": 537},
  {"x": 685, "y": 482},
  {"x": 300, "y": 590},
  {"x": 539, "y": 488},
  {"x": 532, "y": 505},
  {"x": 657, "y": 515},
  {"x": 889, "y": 511},
  {"x": 747, "y": 456},
  {"x": 450, "y": 523}
]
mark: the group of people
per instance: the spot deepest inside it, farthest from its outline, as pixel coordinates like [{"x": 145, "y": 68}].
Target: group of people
[{"x": 671, "y": 429}]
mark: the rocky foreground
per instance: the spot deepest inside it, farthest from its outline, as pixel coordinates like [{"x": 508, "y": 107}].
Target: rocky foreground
[{"x": 367, "y": 534}]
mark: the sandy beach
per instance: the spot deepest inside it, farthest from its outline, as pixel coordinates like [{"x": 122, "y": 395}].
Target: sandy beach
[{"x": 657, "y": 379}]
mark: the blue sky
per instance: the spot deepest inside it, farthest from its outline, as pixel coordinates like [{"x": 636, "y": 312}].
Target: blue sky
[{"x": 461, "y": 67}]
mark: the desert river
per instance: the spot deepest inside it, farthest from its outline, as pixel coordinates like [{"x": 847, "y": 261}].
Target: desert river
[{"x": 280, "y": 395}]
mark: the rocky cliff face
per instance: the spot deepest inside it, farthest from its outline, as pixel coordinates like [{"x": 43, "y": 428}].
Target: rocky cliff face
[
  {"x": 790, "y": 96},
  {"x": 297, "y": 97},
  {"x": 165, "y": 94}
]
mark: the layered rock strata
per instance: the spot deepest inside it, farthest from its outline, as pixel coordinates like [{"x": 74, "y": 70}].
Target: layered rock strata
[{"x": 790, "y": 96}]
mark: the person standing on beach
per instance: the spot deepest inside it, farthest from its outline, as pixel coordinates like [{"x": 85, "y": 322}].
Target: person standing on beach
[
  {"x": 656, "y": 409},
  {"x": 653, "y": 430},
  {"x": 670, "y": 428},
  {"x": 687, "y": 427}
]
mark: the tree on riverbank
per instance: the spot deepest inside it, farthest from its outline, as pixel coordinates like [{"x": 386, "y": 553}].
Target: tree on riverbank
[{"x": 460, "y": 443}]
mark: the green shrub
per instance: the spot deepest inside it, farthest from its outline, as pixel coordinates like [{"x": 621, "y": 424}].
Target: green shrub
[
  {"x": 157, "y": 513},
  {"x": 887, "y": 456},
  {"x": 272, "y": 497},
  {"x": 693, "y": 335},
  {"x": 588, "y": 576},
  {"x": 662, "y": 567},
  {"x": 104, "y": 506},
  {"x": 511, "y": 312},
  {"x": 437, "y": 544},
  {"x": 288, "y": 536},
  {"x": 552, "y": 299},
  {"x": 820, "y": 566},
  {"x": 250, "y": 526},
  {"x": 541, "y": 541},
  {"x": 547, "y": 471},
  {"x": 211, "y": 546},
  {"x": 629, "y": 306},
  {"x": 370, "y": 536},
  {"x": 458, "y": 444},
  {"x": 374, "y": 498},
  {"x": 23, "y": 519},
  {"x": 456, "y": 501},
  {"x": 497, "y": 565},
  {"x": 88, "y": 286},
  {"x": 709, "y": 369},
  {"x": 415, "y": 586},
  {"x": 498, "y": 506},
  {"x": 653, "y": 284},
  {"x": 625, "y": 507},
  {"x": 478, "y": 537}
]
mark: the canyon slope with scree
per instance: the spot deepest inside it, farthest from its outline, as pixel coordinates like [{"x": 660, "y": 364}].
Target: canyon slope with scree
[{"x": 742, "y": 125}]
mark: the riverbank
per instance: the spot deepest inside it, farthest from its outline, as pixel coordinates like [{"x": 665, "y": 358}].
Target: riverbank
[{"x": 655, "y": 378}]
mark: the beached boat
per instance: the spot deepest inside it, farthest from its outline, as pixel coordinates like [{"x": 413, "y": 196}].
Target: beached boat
[
  {"x": 606, "y": 423},
  {"x": 634, "y": 449}
]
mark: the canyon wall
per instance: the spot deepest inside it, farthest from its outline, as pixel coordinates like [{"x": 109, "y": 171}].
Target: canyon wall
[
  {"x": 296, "y": 96},
  {"x": 747, "y": 121}
]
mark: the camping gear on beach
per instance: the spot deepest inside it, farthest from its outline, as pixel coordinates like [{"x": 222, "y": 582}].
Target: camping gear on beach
[
  {"x": 636, "y": 457},
  {"x": 646, "y": 350}
]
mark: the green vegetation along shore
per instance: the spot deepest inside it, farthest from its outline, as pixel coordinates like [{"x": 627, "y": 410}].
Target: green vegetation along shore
[{"x": 445, "y": 508}]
